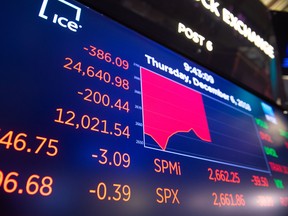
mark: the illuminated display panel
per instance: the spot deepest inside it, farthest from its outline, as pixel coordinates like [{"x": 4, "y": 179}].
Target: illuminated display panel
[{"x": 97, "y": 120}]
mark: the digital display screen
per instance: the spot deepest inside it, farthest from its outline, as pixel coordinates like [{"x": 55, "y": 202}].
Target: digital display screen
[{"x": 96, "y": 119}]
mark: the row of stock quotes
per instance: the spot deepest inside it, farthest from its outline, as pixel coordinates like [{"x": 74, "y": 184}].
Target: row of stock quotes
[{"x": 114, "y": 101}]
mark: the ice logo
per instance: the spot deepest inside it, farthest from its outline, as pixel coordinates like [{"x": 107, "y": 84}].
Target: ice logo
[
  {"x": 62, "y": 21},
  {"x": 269, "y": 113}
]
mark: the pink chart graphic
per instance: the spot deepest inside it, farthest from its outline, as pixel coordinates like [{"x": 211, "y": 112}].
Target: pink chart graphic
[
  {"x": 179, "y": 120},
  {"x": 170, "y": 108}
]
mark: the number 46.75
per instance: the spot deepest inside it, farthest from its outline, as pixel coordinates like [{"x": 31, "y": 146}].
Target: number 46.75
[{"x": 19, "y": 143}]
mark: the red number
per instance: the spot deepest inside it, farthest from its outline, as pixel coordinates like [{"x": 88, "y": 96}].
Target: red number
[
  {"x": 67, "y": 66},
  {"x": 51, "y": 146},
  {"x": 100, "y": 54},
  {"x": 78, "y": 67},
  {"x": 103, "y": 155},
  {"x": 107, "y": 57},
  {"x": 222, "y": 199},
  {"x": 232, "y": 200},
  {"x": 18, "y": 141},
  {"x": 264, "y": 181},
  {"x": 90, "y": 71},
  {"x": 237, "y": 178},
  {"x": 1, "y": 178},
  {"x": 125, "y": 106},
  {"x": 87, "y": 98},
  {"x": 46, "y": 188},
  {"x": 105, "y": 76},
  {"x": 59, "y": 120},
  {"x": 125, "y": 84},
  {"x": 32, "y": 187},
  {"x": 92, "y": 51},
  {"x": 117, "y": 128},
  {"x": 260, "y": 181},
  {"x": 7, "y": 139},
  {"x": 122, "y": 63},
  {"x": 97, "y": 121},
  {"x": 68, "y": 122},
  {"x": 217, "y": 174},
  {"x": 215, "y": 199},
  {"x": 99, "y": 74},
  {"x": 118, "y": 81},
  {"x": 125, "y": 64},
  {"x": 223, "y": 175},
  {"x": 126, "y": 132},
  {"x": 104, "y": 127},
  {"x": 227, "y": 199},
  {"x": 211, "y": 174},
  {"x": 10, "y": 184},
  {"x": 85, "y": 121},
  {"x": 226, "y": 176}
]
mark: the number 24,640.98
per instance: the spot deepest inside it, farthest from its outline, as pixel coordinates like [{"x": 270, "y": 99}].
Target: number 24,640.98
[{"x": 98, "y": 74}]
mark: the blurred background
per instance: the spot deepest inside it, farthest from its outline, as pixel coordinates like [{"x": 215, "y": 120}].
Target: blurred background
[{"x": 234, "y": 56}]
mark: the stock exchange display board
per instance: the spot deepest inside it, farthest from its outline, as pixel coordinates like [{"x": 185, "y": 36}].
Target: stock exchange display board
[{"x": 96, "y": 119}]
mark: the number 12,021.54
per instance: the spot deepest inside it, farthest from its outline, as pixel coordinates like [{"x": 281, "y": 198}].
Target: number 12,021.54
[{"x": 91, "y": 123}]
